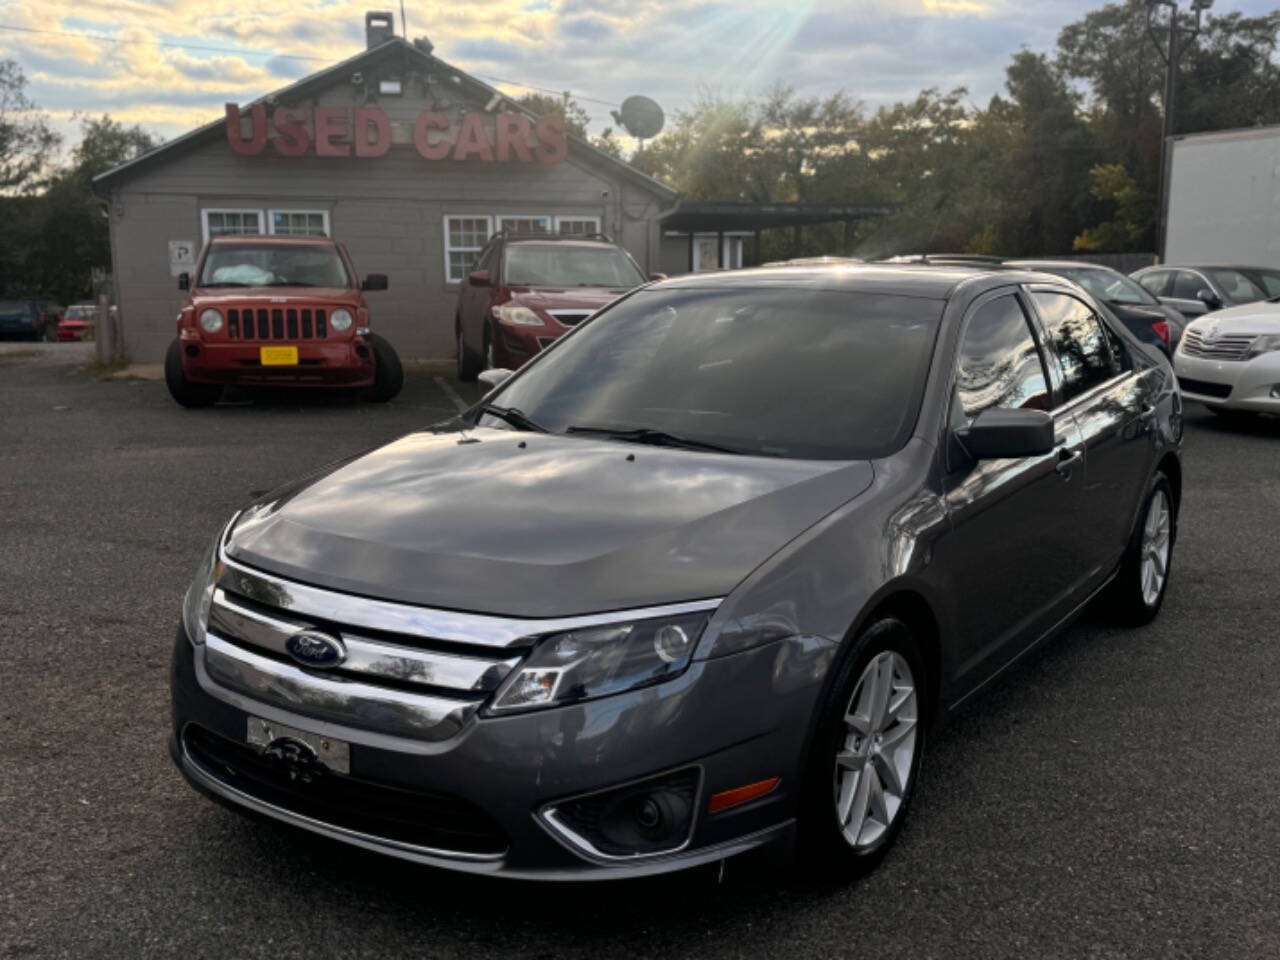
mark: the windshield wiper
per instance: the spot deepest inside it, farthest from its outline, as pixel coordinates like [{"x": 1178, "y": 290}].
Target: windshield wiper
[
  {"x": 514, "y": 417},
  {"x": 656, "y": 438},
  {"x": 288, "y": 283},
  {"x": 224, "y": 283}
]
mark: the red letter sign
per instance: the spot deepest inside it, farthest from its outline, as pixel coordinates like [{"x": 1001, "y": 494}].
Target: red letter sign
[
  {"x": 292, "y": 138},
  {"x": 514, "y": 131},
  {"x": 552, "y": 146},
  {"x": 372, "y": 118},
  {"x": 235, "y": 136},
  {"x": 330, "y": 123},
  {"x": 473, "y": 138}
]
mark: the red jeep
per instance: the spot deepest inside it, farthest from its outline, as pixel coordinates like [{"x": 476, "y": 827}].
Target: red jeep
[
  {"x": 277, "y": 311},
  {"x": 527, "y": 291}
]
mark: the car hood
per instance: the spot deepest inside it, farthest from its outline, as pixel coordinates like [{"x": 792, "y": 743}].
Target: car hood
[
  {"x": 211, "y": 298},
  {"x": 538, "y": 525},
  {"x": 565, "y": 298},
  {"x": 1257, "y": 318}
]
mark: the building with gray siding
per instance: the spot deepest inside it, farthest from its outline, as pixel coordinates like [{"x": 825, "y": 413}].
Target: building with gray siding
[{"x": 407, "y": 160}]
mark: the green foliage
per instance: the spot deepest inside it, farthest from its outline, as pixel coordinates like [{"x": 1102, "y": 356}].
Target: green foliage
[
  {"x": 26, "y": 140},
  {"x": 1134, "y": 212}
]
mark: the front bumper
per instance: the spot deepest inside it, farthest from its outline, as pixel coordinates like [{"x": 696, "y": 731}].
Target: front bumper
[
  {"x": 517, "y": 344},
  {"x": 321, "y": 363},
  {"x": 738, "y": 720},
  {"x": 1235, "y": 385}
]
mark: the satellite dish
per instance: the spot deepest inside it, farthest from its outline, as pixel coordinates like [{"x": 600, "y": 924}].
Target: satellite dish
[{"x": 640, "y": 117}]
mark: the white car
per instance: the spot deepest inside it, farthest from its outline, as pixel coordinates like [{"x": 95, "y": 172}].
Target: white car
[{"x": 1230, "y": 360}]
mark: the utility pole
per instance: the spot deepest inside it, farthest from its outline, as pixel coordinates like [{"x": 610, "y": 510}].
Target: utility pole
[{"x": 1171, "y": 52}]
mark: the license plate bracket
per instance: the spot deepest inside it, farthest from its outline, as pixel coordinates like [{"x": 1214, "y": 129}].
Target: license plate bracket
[
  {"x": 278, "y": 356},
  {"x": 333, "y": 754}
]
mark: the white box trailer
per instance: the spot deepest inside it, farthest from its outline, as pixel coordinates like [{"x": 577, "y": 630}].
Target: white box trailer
[{"x": 1224, "y": 198}]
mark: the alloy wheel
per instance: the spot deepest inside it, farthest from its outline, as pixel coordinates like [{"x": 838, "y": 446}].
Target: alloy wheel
[
  {"x": 873, "y": 765},
  {"x": 1155, "y": 548}
]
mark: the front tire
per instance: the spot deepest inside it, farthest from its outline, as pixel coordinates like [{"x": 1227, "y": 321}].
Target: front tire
[
  {"x": 388, "y": 375},
  {"x": 469, "y": 365},
  {"x": 862, "y": 769},
  {"x": 187, "y": 394},
  {"x": 1138, "y": 592}
]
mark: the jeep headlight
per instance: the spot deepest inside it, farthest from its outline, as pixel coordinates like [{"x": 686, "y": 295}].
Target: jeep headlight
[
  {"x": 1264, "y": 344},
  {"x": 340, "y": 320},
  {"x": 199, "y": 598},
  {"x": 211, "y": 320},
  {"x": 597, "y": 661},
  {"x": 516, "y": 316}
]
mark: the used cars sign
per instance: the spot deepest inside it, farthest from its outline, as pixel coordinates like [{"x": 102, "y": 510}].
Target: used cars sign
[{"x": 366, "y": 132}]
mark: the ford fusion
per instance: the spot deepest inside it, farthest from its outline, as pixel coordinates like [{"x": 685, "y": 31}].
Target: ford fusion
[{"x": 702, "y": 578}]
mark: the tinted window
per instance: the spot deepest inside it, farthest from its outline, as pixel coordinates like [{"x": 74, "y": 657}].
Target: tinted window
[
  {"x": 1156, "y": 281},
  {"x": 1238, "y": 287},
  {"x": 273, "y": 265},
  {"x": 1077, "y": 336},
  {"x": 791, "y": 372},
  {"x": 1187, "y": 284},
  {"x": 1268, "y": 280},
  {"x": 999, "y": 364},
  {"x": 1108, "y": 285}
]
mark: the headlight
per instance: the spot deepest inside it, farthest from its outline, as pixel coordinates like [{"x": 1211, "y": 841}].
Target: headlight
[
  {"x": 211, "y": 320},
  {"x": 516, "y": 316},
  {"x": 340, "y": 320},
  {"x": 1263, "y": 345},
  {"x": 597, "y": 661},
  {"x": 195, "y": 607}
]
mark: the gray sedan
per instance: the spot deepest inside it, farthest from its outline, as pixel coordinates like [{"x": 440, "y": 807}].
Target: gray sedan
[{"x": 703, "y": 578}]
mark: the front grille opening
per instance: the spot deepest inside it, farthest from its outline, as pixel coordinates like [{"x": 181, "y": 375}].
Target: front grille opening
[
  {"x": 646, "y": 818},
  {"x": 1203, "y": 387},
  {"x": 437, "y": 821}
]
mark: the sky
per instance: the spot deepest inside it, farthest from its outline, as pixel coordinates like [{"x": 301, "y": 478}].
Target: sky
[{"x": 142, "y": 64}]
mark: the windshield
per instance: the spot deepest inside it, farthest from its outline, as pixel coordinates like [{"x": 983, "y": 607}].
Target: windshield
[
  {"x": 568, "y": 265},
  {"x": 1247, "y": 285},
  {"x": 273, "y": 265},
  {"x": 1108, "y": 285},
  {"x": 79, "y": 312},
  {"x": 15, "y": 310},
  {"x": 812, "y": 374}
]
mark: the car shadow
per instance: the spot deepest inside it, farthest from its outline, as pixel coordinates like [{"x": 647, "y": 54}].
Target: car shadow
[{"x": 1235, "y": 423}]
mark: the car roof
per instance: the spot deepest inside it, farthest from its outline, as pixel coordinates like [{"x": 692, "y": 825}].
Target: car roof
[
  {"x": 936, "y": 281},
  {"x": 560, "y": 241},
  {"x": 261, "y": 238},
  {"x": 1031, "y": 263},
  {"x": 1208, "y": 266}
]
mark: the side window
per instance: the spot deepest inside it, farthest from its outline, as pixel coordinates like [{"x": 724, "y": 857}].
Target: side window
[
  {"x": 1077, "y": 336},
  {"x": 999, "y": 364},
  {"x": 1187, "y": 284},
  {"x": 1156, "y": 282}
]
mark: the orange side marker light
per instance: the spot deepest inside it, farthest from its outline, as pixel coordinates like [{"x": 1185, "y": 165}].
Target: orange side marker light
[{"x": 739, "y": 795}]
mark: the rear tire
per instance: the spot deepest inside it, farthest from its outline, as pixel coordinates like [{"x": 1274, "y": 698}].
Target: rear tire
[
  {"x": 1137, "y": 593},
  {"x": 388, "y": 375},
  {"x": 865, "y": 760},
  {"x": 187, "y": 394},
  {"x": 468, "y": 360}
]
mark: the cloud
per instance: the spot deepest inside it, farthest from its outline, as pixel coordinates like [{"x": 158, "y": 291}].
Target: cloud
[{"x": 877, "y": 50}]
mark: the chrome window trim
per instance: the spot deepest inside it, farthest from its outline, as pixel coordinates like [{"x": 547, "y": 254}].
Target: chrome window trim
[
  {"x": 373, "y": 841},
  {"x": 351, "y": 610}
]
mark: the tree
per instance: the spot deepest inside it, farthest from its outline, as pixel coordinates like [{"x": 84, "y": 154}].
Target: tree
[
  {"x": 576, "y": 119},
  {"x": 26, "y": 141},
  {"x": 1133, "y": 212}
]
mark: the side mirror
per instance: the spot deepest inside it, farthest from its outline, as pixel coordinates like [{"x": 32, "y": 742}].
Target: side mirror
[
  {"x": 1005, "y": 434},
  {"x": 184, "y": 281},
  {"x": 494, "y": 377},
  {"x": 657, "y": 276},
  {"x": 1209, "y": 298},
  {"x": 374, "y": 281},
  {"x": 478, "y": 278}
]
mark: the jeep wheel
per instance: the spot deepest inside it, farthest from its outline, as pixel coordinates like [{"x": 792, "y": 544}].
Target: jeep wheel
[
  {"x": 388, "y": 375},
  {"x": 188, "y": 394}
]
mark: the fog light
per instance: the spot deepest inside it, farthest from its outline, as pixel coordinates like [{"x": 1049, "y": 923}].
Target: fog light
[{"x": 642, "y": 819}]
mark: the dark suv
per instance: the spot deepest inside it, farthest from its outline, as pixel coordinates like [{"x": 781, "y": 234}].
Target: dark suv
[{"x": 529, "y": 290}]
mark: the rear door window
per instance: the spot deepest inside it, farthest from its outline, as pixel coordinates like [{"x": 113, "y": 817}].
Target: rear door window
[{"x": 1078, "y": 337}]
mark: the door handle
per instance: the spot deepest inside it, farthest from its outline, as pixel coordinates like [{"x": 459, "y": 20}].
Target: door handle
[{"x": 1067, "y": 460}]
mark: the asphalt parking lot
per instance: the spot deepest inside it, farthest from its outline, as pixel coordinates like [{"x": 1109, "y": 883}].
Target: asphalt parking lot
[{"x": 1114, "y": 796}]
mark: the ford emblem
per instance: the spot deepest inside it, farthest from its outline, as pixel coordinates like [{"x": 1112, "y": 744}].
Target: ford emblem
[{"x": 311, "y": 648}]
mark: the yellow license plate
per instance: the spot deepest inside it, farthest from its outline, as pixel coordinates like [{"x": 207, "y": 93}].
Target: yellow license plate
[{"x": 279, "y": 356}]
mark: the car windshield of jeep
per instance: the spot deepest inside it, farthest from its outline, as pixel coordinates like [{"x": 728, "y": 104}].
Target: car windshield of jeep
[{"x": 273, "y": 265}]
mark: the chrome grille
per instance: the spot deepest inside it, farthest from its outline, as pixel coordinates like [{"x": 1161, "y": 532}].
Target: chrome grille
[
  {"x": 394, "y": 684},
  {"x": 1226, "y": 347},
  {"x": 277, "y": 323}
]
